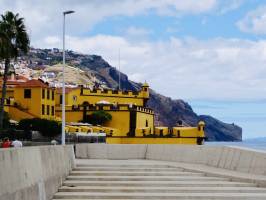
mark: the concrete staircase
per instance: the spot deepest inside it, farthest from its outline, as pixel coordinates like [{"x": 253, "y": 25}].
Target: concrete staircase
[{"x": 150, "y": 181}]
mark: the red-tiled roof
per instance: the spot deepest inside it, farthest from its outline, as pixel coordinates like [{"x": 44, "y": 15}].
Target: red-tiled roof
[
  {"x": 33, "y": 83},
  {"x": 20, "y": 78},
  {"x": 15, "y": 81}
]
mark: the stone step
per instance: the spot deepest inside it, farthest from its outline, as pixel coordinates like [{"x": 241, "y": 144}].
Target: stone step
[
  {"x": 142, "y": 199},
  {"x": 215, "y": 196},
  {"x": 149, "y": 166},
  {"x": 186, "y": 183},
  {"x": 162, "y": 189},
  {"x": 127, "y": 169},
  {"x": 146, "y": 178},
  {"x": 147, "y": 173},
  {"x": 132, "y": 181},
  {"x": 123, "y": 199}
]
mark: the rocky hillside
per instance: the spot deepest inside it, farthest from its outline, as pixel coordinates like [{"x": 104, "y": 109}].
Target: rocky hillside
[
  {"x": 167, "y": 110},
  {"x": 219, "y": 131},
  {"x": 170, "y": 111}
]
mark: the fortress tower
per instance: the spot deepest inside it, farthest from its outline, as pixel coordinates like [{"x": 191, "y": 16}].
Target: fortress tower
[{"x": 145, "y": 93}]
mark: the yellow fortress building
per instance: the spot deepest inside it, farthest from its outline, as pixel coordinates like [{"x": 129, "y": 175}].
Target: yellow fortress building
[{"x": 132, "y": 121}]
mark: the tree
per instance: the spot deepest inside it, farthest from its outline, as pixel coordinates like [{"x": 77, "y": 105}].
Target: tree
[
  {"x": 6, "y": 119},
  {"x": 13, "y": 40},
  {"x": 48, "y": 128},
  {"x": 99, "y": 117}
]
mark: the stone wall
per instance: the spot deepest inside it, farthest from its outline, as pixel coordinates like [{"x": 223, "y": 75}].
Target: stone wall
[
  {"x": 114, "y": 151},
  {"x": 225, "y": 157},
  {"x": 33, "y": 173}
]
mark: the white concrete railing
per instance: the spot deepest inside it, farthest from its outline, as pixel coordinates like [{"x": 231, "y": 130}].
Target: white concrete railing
[
  {"x": 111, "y": 151},
  {"x": 225, "y": 157},
  {"x": 33, "y": 173}
]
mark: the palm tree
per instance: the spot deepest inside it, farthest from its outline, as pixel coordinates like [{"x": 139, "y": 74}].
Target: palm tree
[{"x": 13, "y": 40}]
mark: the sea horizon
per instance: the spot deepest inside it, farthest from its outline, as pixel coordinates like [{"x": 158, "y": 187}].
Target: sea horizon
[
  {"x": 249, "y": 115},
  {"x": 255, "y": 143}
]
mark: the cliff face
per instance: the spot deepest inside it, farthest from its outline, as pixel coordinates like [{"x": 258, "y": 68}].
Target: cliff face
[
  {"x": 170, "y": 111},
  {"x": 167, "y": 110},
  {"x": 219, "y": 131}
]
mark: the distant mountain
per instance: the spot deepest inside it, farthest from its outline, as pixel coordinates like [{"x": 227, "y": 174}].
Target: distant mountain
[{"x": 167, "y": 111}]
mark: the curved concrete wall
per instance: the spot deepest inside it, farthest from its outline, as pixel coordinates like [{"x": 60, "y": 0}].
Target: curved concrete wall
[
  {"x": 225, "y": 157},
  {"x": 33, "y": 173},
  {"x": 113, "y": 151},
  {"x": 231, "y": 158}
]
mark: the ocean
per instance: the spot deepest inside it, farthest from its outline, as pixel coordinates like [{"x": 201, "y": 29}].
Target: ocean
[
  {"x": 253, "y": 144},
  {"x": 250, "y": 115}
]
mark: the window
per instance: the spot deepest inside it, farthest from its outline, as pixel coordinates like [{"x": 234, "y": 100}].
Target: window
[
  {"x": 147, "y": 124},
  {"x": 52, "y": 94},
  {"x": 161, "y": 133},
  {"x": 27, "y": 93},
  {"x": 61, "y": 99},
  {"x": 52, "y": 110},
  {"x": 48, "y": 110},
  {"x": 43, "y": 93},
  {"x": 48, "y": 94},
  {"x": 75, "y": 98},
  {"x": 43, "y": 110}
]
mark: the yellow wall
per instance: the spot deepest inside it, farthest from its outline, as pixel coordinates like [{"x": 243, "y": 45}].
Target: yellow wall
[
  {"x": 16, "y": 114},
  {"x": 158, "y": 131},
  {"x": 120, "y": 118},
  {"x": 141, "y": 121},
  {"x": 189, "y": 131},
  {"x": 34, "y": 104},
  {"x": 144, "y": 140},
  {"x": 140, "y": 132},
  {"x": 74, "y": 97},
  {"x": 120, "y": 121},
  {"x": 48, "y": 102},
  {"x": 71, "y": 116}
]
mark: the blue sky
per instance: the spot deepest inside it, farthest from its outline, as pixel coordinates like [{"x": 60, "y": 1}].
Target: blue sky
[
  {"x": 210, "y": 52},
  {"x": 201, "y": 26}
]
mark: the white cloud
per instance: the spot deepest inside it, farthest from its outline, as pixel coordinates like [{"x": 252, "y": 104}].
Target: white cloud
[
  {"x": 44, "y": 18},
  {"x": 225, "y": 6},
  {"x": 137, "y": 32},
  {"x": 52, "y": 41},
  {"x": 186, "y": 68},
  {"x": 180, "y": 68},
  {"x": 254, "y": 21}
]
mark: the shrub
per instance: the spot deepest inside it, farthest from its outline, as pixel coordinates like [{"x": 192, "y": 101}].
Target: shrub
[
  {"x": 99, "y": 117},
  {"x": 48, "y": 128},
  {"x": 6, "y": 123}
]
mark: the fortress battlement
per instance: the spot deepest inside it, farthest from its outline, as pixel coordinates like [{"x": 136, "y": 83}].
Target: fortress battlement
[
  {"x": 105, "y": 107},
  {"x": 112, "y": 93}
]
